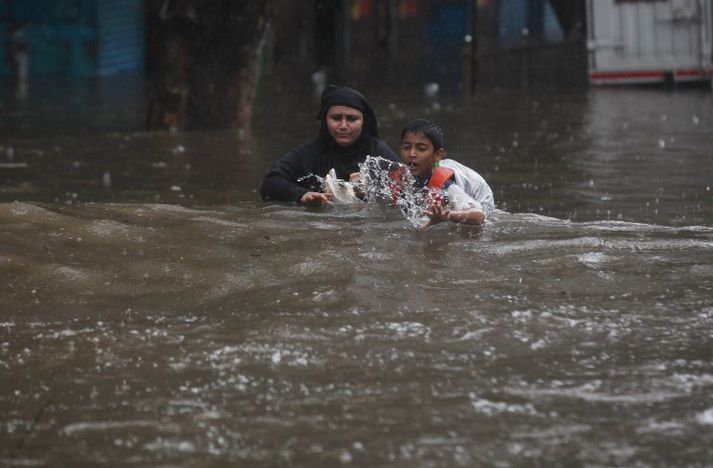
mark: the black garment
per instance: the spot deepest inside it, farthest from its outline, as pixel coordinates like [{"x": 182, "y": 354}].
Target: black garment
[{"x": 294, "y": 173}]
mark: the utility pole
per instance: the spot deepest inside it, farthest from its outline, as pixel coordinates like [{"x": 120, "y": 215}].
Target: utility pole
[{"x": 202, "y": 62}]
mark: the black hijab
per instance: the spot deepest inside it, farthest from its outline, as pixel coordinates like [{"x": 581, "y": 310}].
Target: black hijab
[{"x": 345, "y": 159}]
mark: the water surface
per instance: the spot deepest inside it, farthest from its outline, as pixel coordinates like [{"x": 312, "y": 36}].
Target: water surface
[{"x": 163, "y": 314}]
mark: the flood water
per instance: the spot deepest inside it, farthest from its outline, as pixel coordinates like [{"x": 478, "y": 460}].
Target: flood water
[{"x": 155, "y": 312}]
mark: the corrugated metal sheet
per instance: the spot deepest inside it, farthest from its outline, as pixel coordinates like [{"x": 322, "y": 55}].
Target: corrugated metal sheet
[{"x": 120, "y": 26}]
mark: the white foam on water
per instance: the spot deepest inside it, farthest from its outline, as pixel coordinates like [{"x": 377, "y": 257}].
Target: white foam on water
[
  {"x": 323, "y": 296},
  {"x": 98, "y": 426},
  {"x": 72, "y": 274},
  {"x": 68, "y": 333},
  {"x": 587, "y": 393},
  {"x": 311, "y": 267},
  {"x": 224, "y": 353},
  {"x": 664, "y": 427},
  {"x": 706, "y": 417},
  {"x": 594, "y": 259},
  {"x": 409, "y": 328},
  {"x": 24, "y": 209},
  {"x": 188, "y": 403},
  {"x": 162, "y": 444},
  {"x": 108, "y": 228},
  {"x": 379, "y": 256},
  {"x": 220, "y": 222},
  {"x": 491, "y": 408},
  {"x": 475, "y": 335}
]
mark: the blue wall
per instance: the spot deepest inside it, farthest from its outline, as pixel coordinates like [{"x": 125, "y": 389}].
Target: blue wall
[
  {"x": 120, "y": 27},
  {"x": 537, "y": 16},
  {"x": 74, "y": 37}
]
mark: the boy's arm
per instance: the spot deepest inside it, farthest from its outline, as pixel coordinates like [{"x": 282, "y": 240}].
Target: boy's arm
[
  {"x": 471, "y": 216},
  {"x": 438, "y": 214},
  {"x": 461, "y": 208}
]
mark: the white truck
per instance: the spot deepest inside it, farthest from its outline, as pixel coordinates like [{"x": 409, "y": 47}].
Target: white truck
[{"x": 649, "y": 41}]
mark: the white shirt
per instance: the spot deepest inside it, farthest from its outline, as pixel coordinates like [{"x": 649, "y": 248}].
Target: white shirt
[{"x": 470, "y": 189}]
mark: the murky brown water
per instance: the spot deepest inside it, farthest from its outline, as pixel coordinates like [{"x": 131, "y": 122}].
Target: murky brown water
[{"x": 153, "y": 311}]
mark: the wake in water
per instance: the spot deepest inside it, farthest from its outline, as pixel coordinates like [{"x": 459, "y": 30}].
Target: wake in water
[{"x": 382, "y": 183}]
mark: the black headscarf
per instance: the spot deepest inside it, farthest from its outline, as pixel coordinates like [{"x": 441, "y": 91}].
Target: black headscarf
[{"x": 345, "y": 159}]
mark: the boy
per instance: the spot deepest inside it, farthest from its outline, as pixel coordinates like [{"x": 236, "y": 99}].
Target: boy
[{"x": 469, "y": 199}]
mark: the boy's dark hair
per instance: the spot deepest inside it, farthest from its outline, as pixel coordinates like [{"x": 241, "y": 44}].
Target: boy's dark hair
[{"x": 429, "y": 129}]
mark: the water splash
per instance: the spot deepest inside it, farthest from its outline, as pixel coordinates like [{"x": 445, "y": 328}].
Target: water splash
[{"x": 386, "y": 182}]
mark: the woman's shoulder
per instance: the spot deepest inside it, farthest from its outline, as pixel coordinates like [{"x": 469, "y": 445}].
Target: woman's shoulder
[
  {"x": 307, "y": 146},
  {"x": 384, "y": 150},
  {"x": 302, "y": 150}
]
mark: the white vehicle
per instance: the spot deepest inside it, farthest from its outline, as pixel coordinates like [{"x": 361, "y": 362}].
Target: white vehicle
[{"x": 649, "y": 41}]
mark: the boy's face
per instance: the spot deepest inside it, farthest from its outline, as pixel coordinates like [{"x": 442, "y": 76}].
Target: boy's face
[{"x": 418, "y": 153}]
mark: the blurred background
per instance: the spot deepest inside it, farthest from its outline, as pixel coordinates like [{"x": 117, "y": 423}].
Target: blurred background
[
  {"x": 203, "y": 60},
  {"x": 141, "y": 99}
]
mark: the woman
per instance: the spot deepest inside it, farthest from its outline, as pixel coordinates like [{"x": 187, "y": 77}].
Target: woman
[{"x": 348, "y": 133}]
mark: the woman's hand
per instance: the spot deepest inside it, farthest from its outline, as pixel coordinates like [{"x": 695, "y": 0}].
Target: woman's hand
[{"x": 316, "y": 198}]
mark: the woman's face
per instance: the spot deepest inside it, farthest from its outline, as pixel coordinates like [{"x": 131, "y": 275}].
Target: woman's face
[{"x": 344, "y": 124}]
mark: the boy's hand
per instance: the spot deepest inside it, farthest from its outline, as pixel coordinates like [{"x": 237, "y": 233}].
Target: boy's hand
[
  {"x": 436, "y": 214},
  {"x": 316, "y": 198}
]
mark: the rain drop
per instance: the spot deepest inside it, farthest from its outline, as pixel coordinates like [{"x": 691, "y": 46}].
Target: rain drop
[{"x": 106, "y": 179}]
